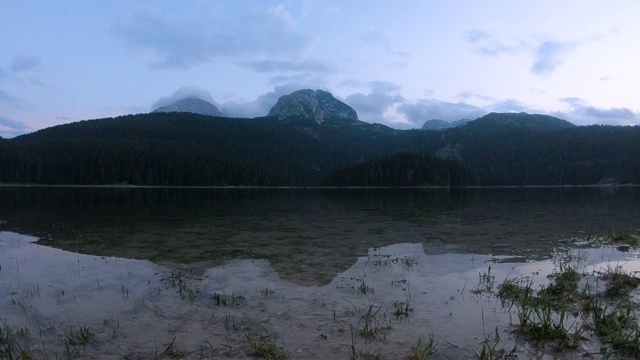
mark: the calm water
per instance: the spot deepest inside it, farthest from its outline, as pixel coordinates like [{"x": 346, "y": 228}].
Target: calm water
[
  {"x": 141, "y": 266},
  {"x": 307, "y": 235}
]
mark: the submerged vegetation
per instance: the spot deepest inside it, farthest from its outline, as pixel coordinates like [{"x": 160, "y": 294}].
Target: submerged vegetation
[
  {"x": 265, "y": 349},
  {"x": 570, "y": 309}
]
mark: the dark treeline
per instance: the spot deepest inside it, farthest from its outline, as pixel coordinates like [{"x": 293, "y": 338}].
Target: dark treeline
[
  {"x": 120, "y": 162},
  {"x": 195, "y": 150},
  {"x": 581, "y": 155},
  {"x": 405, "y": 169},
  {"x": 190, "y": 149}
]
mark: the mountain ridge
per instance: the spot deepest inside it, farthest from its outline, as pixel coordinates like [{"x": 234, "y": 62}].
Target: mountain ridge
[
  {"x": 520, "y": 120},
  {"x": 437, "y": 124},
  {"x": 187, "y": 149}
]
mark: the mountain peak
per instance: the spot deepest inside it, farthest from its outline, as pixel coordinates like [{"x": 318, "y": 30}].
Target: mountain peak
[
  {"x": 521, "y": 120},
  {"x": 318, "y": 105},
  {"x": 192, "y": 105}
]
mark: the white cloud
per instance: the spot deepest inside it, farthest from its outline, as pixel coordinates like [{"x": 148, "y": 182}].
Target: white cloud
[
  {"x": 549, "y": 56},
  {"x": 384, "y": 41},
  {"x": 314, "y": 66},
  {"x": 10, "y": 128},
  {"x": 269, "y": 34},
  {"x": 21, "y": 63},
  {"x": 373, "y": 107},
  {"x": 428, "y": 109},
  {"x": 485, "y": 43},
  {"x": 183, "y": 93},
  {"x": 581, "y": 113}
]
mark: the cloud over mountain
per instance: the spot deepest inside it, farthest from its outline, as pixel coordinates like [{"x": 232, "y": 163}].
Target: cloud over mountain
[
  {"x": 581, "y": 113},
  {"x": 11, "y": 128},
  {"x": 373, "y": 106},
  {"x": 427, "y": 109},
  {"x": 184, "y": 93}
]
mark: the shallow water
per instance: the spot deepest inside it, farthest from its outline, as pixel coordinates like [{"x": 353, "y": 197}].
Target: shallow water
[{"x": 299, "y": 268}]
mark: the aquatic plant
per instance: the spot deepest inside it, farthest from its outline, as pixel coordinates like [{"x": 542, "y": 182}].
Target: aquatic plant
[
  {"x": 181, "y": 286},
  {"x": 80, "y": 336},
  {"x": 265, "y": 349},
  {"x": 562, "y": 290},
  {"x": 624, "y": 236},
  {"x": 423, "y": 349},
  {"x": 403, "y": 308},
  {"x": 618, "y": 326},
  {"x": 371, "y": 326},
  {"x": 618, "y": 282},
  {"x": 266, "y": 292},
  {"x": 219, "y": 299},
  {"x": 11, "y": 347},
  {"x": 513, "y": 290},
  {"x": 486, "y": 282},
  {"x": 493, "y": 348}
]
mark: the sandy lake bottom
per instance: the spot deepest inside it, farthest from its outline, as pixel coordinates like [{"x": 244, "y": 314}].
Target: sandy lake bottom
[{"x": 60, "y": 304}]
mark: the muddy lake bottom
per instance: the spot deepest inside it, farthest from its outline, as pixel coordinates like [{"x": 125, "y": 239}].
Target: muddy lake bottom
[{"x": 59, "y": 304}]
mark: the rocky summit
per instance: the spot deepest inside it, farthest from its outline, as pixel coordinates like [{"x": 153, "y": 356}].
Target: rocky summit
[
  {"x": 318, "y": 105},
  {"x": 192, "y": 105}
]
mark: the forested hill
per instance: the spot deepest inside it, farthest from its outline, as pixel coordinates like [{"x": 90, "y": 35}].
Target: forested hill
[
  {"x": 517, "y": 121},
  {"x": 191, "y": 149},
  {"x": 404, "y": 169},
  {"x": 177, "y": 148}
]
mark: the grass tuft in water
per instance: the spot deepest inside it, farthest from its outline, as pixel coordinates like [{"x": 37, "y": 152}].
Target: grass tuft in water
[
  {"x": 619, "y": 283},
  {"x": 486, "y": 282},
  {"x": 624, "y": 236},
  {"x": 563, "y": 290},
  {"x": 219, "y": 300},
  {"x": 513, "y": 290},
  {"x": 10, "y": 345},
  {"x": 540, "y": 323},
  {"x": 493, "y": 348},
  {"x": 80, "y": 336},
  {"x": 404, "y": 308},
  {"x": 423, "y": 349},
  {"x": 181, "y": 286},
  {"x": 619, "y": 328},
  {"x": 265, "y": 349}
]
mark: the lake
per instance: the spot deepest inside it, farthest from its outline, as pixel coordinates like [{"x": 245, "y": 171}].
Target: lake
[{"x": 141, "y": 273}]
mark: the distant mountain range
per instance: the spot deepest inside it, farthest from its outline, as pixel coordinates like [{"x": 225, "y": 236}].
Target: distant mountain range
[
  {"x": 317, "y": 105},
  {"x": 308, "y": 138},
  {"x": 437, "y": 124}
]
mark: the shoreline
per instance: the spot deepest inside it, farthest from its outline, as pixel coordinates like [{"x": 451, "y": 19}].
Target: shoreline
[{"x": 129, "y": 186}]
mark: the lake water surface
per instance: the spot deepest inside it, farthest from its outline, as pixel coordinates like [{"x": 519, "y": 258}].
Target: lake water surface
[{"x": 161, "y": 273}]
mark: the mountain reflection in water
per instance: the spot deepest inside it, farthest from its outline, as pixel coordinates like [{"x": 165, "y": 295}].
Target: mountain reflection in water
[{"x": 309, "y": 235}]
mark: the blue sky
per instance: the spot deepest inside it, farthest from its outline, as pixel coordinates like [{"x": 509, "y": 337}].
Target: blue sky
[{"x": 396, "y": 62}]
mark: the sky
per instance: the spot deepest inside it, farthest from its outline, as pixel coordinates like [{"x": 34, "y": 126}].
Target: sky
[{"x": 398, "y": 63}]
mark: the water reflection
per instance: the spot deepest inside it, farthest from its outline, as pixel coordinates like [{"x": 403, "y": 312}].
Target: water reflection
[
  {"x": 310, "y": 234},
  {"x": 137, "y": 309}
]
